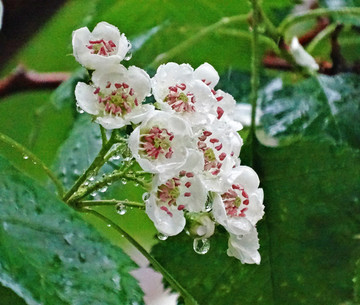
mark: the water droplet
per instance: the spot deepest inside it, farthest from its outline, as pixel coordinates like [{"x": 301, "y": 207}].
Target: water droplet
[
  {"x": 91, "y": 178},
  {"x": 128, "y": 55},
  {"x": 201, "y": 246},
  {"x": 162, "y": 236},
  {"x": 25, "y": 157},
  {"x": 116, "y": 157},
  {"x": 68, "y": 238},
  {"x": 86, "y": 183},
  {"x": 121, "y": 209},
  {"x": 103, "y": 189},
  {"x": 93, "y": 194},
  {"x": 78, "y": 108},
  {"x": 123, "y": 181},
  {"x": 145, "y": 196},
  {"x": 108, "y": 225}
]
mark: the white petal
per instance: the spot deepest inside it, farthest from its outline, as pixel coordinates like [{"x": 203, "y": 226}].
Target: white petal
[
  {"x": 111, "y": 122},
  {"x": 86, "y": 99},
  {"x": 208, "y": 73},
  {"x": 302, "y": 57},
  {"x": 247, "y": 177},
  {"x": 245, "y": 247},
  {"x": 139, "y": 80}
]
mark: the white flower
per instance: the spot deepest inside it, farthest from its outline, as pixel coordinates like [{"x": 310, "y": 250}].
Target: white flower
[
  {"x": 200, "y": 225},
  {"x": 176, "y": 90},
  {"x": 245, "y": 247},
  {"x": 207, "y": 74},
  {"x": 240, "y": 205},
  {"x": 242, "y": 114},
  {"x": 220, "y": 146},
  {"x": 103, "y": 47},
  {"x": 116, "y": 96},
  {"x": 161, "y": 144},
  {"x": 302, "y": 57},
  {"x": 168, "y": 201}
]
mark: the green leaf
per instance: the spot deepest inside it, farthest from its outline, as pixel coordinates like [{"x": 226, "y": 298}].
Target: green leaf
[
  {"x": 49, "y": 255},
  {"x": 312, "y": 212},
  {"x": 326, "y": 106},
  {"x": 9, "y": 297}
]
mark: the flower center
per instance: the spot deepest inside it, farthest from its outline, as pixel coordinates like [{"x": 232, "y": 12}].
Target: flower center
[
  {"x": 118, "y": 101},
  {"x": 179, "y": 100},
  {"x": 156, "y": 142},
  {"x": 211, "y": 146},
  {"x": 236, "y": 201},
  {"x": 102, "y": 47}
]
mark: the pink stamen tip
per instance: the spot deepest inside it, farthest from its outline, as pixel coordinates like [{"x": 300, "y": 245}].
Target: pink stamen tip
[
  {"x": 216, "y": 172},
  {"x": 213, "y": 140},
  {"x": 172, "y": 88},
  {"x": 222, "y": 156},
  {"x": 236, "y": 187},
  {"x": 246, "y": 201},
  {"x": 182, "y": 173},
  {"x": 187, "y": 194},
  {"x": 117, "y": 85},
  {"x": 245, "y": 194},
  {"x": 220, "y": 112},
  {"x": 108, "y": 85},
  {"x": 189, "y": 175},
  {"x": 112, "y": 44},
  {"x": 188, "y": 184},
  {"x": 219, "y": 148},
  {"x": 181, "y": 86},
  {"x": 97, "y": 90},
  {"x": 131, "y": 92},
  {"x": 136, "y": 102},
  {"x": 102, "y": 51},
  {"x": 219, "y": 98},
  {"x": 166, "y": 210},
  {"x": 181, "y": 207},
  {"x": 213, "y": 91},
  {"x": 125, "y": 85},
  {"x": 232, "y": 154},
  {"x": 207, "y": 133}
]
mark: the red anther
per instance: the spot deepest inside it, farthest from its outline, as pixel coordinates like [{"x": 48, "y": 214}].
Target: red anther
[
  {"x": 124, "y": 96},
  {"x": 96, "y": 41},
  {"x": 188, "y": 184},
  {"x": 108, "y": 84},
  {"x": 193, "y": 99},
  {"x": 207, "y": 133},
  {"x": 181, "y": 207},
  {"x": 232, "y": 154},
  {"x": 214, "y": 140},
  {"x": 220, "y": 112},
  {"x": 189, "y": 175},
  {"x": 172, "y": 88},
  {"x": 182, "y": 173},
  {"x": 131, "y": 92},
  {"x": 125, "y": 85},
  {"x": 208, "y": 83},
  {"x": 136, "y": 102},
  {"x": 246, "y": 201},
  {"x": 181, "y": 86},
  {"x": 204, "y": 80},
  {"x": 202, "y": 138},
  {"x": 213, "y": 91},
  {"x": 169, "y": 153},
  {"x": 222, "y": 156},
  {"x": 166, "y": 210},
  {"x": 117, "y": 85},
  {"x": 236, "y": 187},
  {"x": 219, "y": 98},
  {"x": 219, "y": 148},
  {"x": 187, "y": 194},
  {"x": 216, "y": 172},
  {"x": 112, "y": 44},
  {"x": 89, "y": 47},
  {"x": 97, "y": 90},
  {"x": 102, "y": 51}
]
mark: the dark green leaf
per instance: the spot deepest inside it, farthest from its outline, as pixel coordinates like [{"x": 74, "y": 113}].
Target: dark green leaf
[
  {"x": 9, "y": 297},
  {"x": 326, "y": 106},
  {"x": 49, "y": 255}
]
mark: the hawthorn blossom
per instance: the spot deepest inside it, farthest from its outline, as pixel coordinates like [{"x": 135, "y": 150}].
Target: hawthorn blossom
[
  {"x": 168, "y": 201},
  {"x": 116, "y": 96},
  {"x": 162, "y": 143},
  {"x": 245, "y": 247},
  {"x": 220, "y": 145},
  {"x": 104, "y": 46},
  {"x": 239, "y": 206},
  {"x": 176, "y": 90},
  {"x": 301, "y": 57},
  {"x": 200, "y": 225}
]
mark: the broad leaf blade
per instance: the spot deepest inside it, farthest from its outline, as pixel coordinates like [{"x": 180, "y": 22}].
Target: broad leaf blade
[{"x": 49, "y": 255}]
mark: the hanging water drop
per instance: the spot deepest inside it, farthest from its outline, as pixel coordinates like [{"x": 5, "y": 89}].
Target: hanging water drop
[
  {"x": 128, "y": 55},
  {"x": 162, "y": 236},
  {"x": 93, "y": 194},
  {"x": 91, "y": 178},
  {"x": 78, "y": 108},
  {"x": 201, "y": 246},
  {"x": 25, "y": 157},
  {"x": 103, "y": 189},
  {"x": 145, "y": 197},
  {"x": 121, "y": 209},
  {"x": 123, "y": 181}
]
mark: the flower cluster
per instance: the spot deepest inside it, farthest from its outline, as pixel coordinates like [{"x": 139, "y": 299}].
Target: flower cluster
[{"x": 187, "y": 140}]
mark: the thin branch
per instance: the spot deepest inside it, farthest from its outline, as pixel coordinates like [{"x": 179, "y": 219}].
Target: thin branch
[
  {"x": 154, "y": 262},
  {"x": 29, "y": 155},
  {"x": 24, "y": 80},
  {"x": 111, "y": 202}
]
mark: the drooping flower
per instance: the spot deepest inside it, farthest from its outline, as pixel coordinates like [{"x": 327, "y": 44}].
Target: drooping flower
[
  {"x": 161, "y": 144},
  {"x": 116, "y": 96},
  {"x": 220, "y": 145},
  {"x": 176, "y": 90},
  {"x": 104, "y": 46},
  {"x": 240, "y": 205},
  {"x": 245, "y": 247},
  {"x": 168, "y": 201}
]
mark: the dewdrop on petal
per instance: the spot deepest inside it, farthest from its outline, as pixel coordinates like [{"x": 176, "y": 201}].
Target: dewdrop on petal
[{"x": 104, "y": 46}]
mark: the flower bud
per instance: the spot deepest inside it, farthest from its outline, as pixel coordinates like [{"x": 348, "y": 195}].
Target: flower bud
[{"x": 199, "y": 225}]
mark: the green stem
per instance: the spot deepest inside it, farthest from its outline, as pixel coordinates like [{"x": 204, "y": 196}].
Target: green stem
[
  {"x": 111, "y": 202},
  {"x": 103, "y": 135},
  {"x": 35, "y": 160},
  {"x": 320, "y": 12},
  {"x": 93, "y": 168},
  {"x": 188, "y": 43},
  {"x": 321, "y": 36},
  {"x": 154, "y": 262}
]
